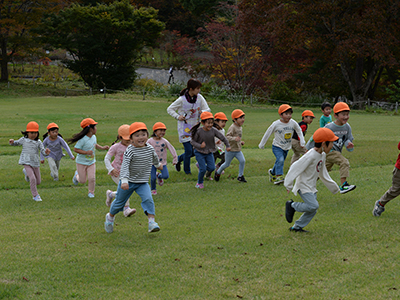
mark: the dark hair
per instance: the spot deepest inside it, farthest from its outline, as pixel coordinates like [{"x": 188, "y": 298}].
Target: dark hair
[
  {"x": 325, "y": 104},
  {"x": 288, "y": 110},
  {"x": 130, "y": 136},
  {"x": 25, "y": 134},
  {"x": 191, "y": 84},
  {"x": 51, "y": 129},
  {"x": 193, "y": 130},
  {"x": 216, "y": 124},
  {"x": 76, "y": 137},
  {"x": 319, "y": 145},
  {"x": 116, "y": 141}
]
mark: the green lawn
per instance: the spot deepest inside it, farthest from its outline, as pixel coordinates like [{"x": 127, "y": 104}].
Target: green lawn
[{"x": 228, "y": 241}]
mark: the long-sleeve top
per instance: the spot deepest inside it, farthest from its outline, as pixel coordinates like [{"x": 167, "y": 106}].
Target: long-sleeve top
[
  {"x": 235, "y": 131},
  {"x": 137, "y": 162},
  {"x": 344, "y": 134},
  {"x": 220, "y": 145},
  {"x": 306, "y": 171},
  {"x": 282, "y": 134},
  {"x": 56, "y": 148},
  {"x": 303, "y": 126},
  {"x": 30, "y": 151},
  {"x": 117, "y": 150},
  {"x": 202, "y": 135},
  {"x": 325, "y": 120},
  {"x": 161, "y": 147}
]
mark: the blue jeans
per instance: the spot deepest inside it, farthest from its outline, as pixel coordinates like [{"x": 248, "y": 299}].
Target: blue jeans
[
  {"x": 309, "y": 208},
  {"x": 280, "y": 155},
  {"x": 206, "y": 163},
  {"x": 154, "y": 175},
  {"x": 186, "y": 156},
  {"x": 142, "y": 189},
  {"x": 229, "y": 156}
]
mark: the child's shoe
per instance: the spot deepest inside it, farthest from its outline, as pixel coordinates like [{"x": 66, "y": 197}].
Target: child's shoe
[
  {"x": 199, "y": 185},
  {"x": 109, "y": 198},
  {"x": 74, "y": 180},
  {"x": 91, "y": 195},
  {"x": 178, "y": 166},
  {"x": 154, "y": 192},
  {"x": 160, "y": 180},
  {"x": 271, "y": 176},
  {"x": 279, "y": 179},
  {"x": 56, "y": 179},
  {"x": 210, "y": 178},
  {"x": 378, "y": 209},
  {"x": 297, "y": 229},
  {"x": 216, "y": 176},
  {"x": 153, "y": 226},
  {"x": 129, "y": 212},
  {"x": 289, "y": 211},
  {"x": 345, "y": 187},
  {"x": 26, "y": 176},
  {"x": 37, "y": 198},
  {"x": 241, "y": 179},
  {"x": 108, "y": 225}
]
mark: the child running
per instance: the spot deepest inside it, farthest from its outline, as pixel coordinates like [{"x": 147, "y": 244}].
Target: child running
[
  {"x": 86, "y": 158},
  {"x": 135, "y": 171},
  {"x": 160, "y": 144},
  {"x": 326, "y": 114},
  {"x": 117, "y": 150},
  {"x": 54, "y": 141},
  {"x": 282, "y": 143},
  {"x": 307, "y": 118},
  {"x": 203, "y": 141},
  {"x": 306, "y": 172},
  {"x": 220, "y": 120},
  {"x": 234, "y": 136},
  {"x": 341, "y": 128},
  {"x": 29, "y": 158},
  {"x": 392, "y": 192}
]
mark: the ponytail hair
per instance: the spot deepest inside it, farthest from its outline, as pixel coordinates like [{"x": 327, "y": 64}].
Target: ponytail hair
[
  {"x": 216, "y": 124},
  {"x": 191, "y": 84},
  {"x": 193, "y": 130},
  {"x": 76, "y": 137},
  {"x": 116, "y": 141}
]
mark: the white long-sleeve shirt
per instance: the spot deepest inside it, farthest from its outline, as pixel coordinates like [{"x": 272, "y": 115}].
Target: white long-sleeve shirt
[
  {"x": 306, "y": 171},
  {"x": 283, "y": 133}
]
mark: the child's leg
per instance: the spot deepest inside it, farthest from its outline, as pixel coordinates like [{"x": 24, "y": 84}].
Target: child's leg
[
  {"x": 337, "y": 158},
  {"x": 53, "y": 167},
  {"x": 229, "y": 155},
  {"x": 309, "y": 207},
  {"x": 210, "y": 162},
  {"x": 280, "y": 155},
  {"x": 114, "y": 194},
  {"x": 394, "y": 190},
  {"x": 91, "y": 172},
  {"x": 298, "y": 151},
  {"x": 122, "y": 197},
  {"x": 144, "y": 192},
  {"x": 242, "y": 162},
  {"x": 215, "y": 155},
  {"x": 164, "y": 173},
  {"x": 153, "y": 178},
  {"x": 81, "y": 176},
  {"x": 30, "y": 172},
  {"x": 201, "y": 159},
  {"x": 187, "y": 156}
]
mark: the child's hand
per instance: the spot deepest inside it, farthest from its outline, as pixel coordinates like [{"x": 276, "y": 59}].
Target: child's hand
[
  {"x": 125, "y": 186},
  {"x": 106, "y": 147},
  {"x": 73, "y": 158},
  {"x": 238, "y": 138},
  {"x": 42, "y": 161},
  {"x": 203, "y": 145},
  {"x": 47, "y": 151},
  {"x": 242, "y": 143},
  {"x": 288, "y": 191},
  {"x": 11, "y": 141},
  {"x": 114, "y": 173},
  {"x": 228, "y": 149},
  {"x": 350, "y": 145},
  {"x": 90, "y": 152},
  {"x": 160, "y": 167}
]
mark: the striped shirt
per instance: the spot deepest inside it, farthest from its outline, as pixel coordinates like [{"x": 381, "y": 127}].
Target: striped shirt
[
  {"x": 136, "y": 164},
  {"x": 30, "y": 151}
]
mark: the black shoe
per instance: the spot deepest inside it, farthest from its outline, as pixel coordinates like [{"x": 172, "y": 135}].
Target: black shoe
[
  {"x": 178, "y": 166},
  {"x": 289, "y": 211},
  {"x": 241, "y": 179},
  {"x": 298, "y": 229},
  {"x": 216, "y": 176}
]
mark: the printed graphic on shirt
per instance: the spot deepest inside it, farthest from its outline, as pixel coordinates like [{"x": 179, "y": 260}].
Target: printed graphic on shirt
[{"x": 319, "y": 165}]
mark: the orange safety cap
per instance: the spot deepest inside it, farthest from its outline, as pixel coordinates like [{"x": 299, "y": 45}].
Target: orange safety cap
[
  {"x": 87, "y": 122},
  {"x": 32, "y": 127},
  {"x": 283, "y": 108},
  {"x": 340, "y": 106},
  {"x": 159, "y": 125},
  {"x": 205, "y": 115},
  {"x": 136, "y": 127},
  {"x": 237, "y": 113},
  {"x": 52, "y": 125},
  {"x": 324, "y": 135},
  {"x": 123, "y": 131},
  {"x": 220, "y": 116},
  {"x": 307, "y": 113}
]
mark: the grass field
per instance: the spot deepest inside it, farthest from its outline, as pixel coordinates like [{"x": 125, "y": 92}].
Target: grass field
[{"x": 228, "y": 241}]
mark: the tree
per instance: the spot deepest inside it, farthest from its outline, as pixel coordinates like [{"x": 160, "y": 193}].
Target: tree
[
  {"x": 104, "y": 40},
  {"x": 17, "y": 17}
]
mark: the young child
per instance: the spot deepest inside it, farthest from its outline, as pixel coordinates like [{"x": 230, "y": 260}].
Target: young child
[
  {"x": 343, "y": 131},
  {"x": 136, "y": 166},
  {"x": 29, "y": 158},
  {"x": 307, "y": 118},
  {"x": 220, "y": 120},
  {"x": 234, "y": 136},
  {"x": 326, "y": 114},
  {"x": 282, "y": 143},
  {"x": 203, "y": 141},
  {"x": 54, "y": 141},
  {"x": 306, "y": 171},
  {"x": 160, "y": 144},
  {"x": 117, "y": 150},
  {"x": 86, "y": 158},
  {"x": 392, "y": 192}
]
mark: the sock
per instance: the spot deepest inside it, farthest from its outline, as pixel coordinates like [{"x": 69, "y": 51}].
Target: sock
[
  {"x": 381, "y": 204},
  {"x": 110, "y": 219},
  {"x": 151, "y": 220},
  {"x": 126, "y": 207}
]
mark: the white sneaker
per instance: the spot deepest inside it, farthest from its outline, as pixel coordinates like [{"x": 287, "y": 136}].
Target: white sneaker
[
  {"x": 91, "y": 195},
  {"x": 108, "y": 226},
  {"x": 74, "y": 180},
  {"x": 37, "y": 198},
  {"x": 129, "y": 212},
  {"x": 153, "y": 226},
  {"x": 109, "y": 197},
  {"x": 26, "y": 176}
]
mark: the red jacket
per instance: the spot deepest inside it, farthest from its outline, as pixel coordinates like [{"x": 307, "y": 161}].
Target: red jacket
[{"x": 397, "y": 165}]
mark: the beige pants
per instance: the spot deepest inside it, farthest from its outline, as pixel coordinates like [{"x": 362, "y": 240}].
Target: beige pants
[
  {"x": 336, "y": 158},
  {"x": 298, "y": 151},
  {"x": 394, "y": 190},
  {"x": 88, "y": 172}
]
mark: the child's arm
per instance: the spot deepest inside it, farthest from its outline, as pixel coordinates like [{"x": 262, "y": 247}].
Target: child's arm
[
  {"x": 266, "y": 136},
  {"x": 66, "y": 147},
  {"x": 173, "y": 152},
  {"x": 98, "y": 147},
  {"x": 156, "y": 160},
  {"x": 16, "y": 142},
  {"x": 83, "y": 152},
  {"x": 42, "y": 149},
  {"x": 295, "y": 170},
  {"x": 327, "y": 180},
  {"x": 299, "y": 133},
  {"x": 194, "y": 141},
  {"x": 349, "y": 142},
  {"x": 41, "y": 155},
  {"x": 224, "y": 139},
  {"x": 107, "y": 162},
  {"x": 322, "y": 121}
]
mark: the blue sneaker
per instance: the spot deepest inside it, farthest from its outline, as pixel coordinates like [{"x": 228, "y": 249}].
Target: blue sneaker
[
  {"x": 108, "y": 226},
  {"x": 91, "y": 195},
  {"x": 74, "y": 180},
  {"x": 153, "y": 227},
  {"x": 37, "y": 198}
]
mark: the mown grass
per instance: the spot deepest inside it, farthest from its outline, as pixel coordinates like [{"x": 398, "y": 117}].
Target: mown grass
[{"x": 228, "y": 241}]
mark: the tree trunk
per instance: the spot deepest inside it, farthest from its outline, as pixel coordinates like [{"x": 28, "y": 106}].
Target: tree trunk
[{"x": 4, "y": 61}]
